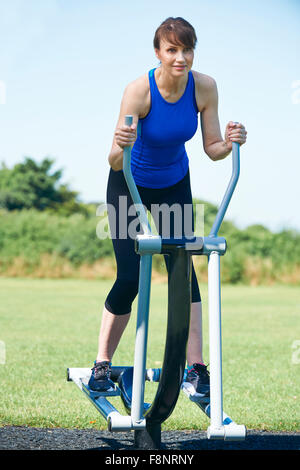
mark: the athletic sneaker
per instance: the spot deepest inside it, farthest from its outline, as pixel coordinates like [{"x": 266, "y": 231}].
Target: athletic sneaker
[
  {"x": 198, "y": 380},
  {"x": 100, "y": 378}
]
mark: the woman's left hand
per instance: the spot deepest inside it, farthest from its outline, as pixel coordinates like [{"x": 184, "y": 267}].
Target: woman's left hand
[{"x": 235, "y": 133}]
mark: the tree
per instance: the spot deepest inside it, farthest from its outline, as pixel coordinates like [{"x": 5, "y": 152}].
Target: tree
[{"x": 32, "y": 185}]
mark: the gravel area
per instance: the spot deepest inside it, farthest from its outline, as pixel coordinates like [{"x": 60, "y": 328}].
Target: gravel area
[{"x": 27, "y": 438}]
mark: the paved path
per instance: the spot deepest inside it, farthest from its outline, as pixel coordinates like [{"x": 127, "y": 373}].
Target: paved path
[{"x": 27, "y": 438}]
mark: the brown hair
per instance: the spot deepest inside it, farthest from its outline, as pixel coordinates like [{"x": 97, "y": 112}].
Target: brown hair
[{"x": 175, "y": 30}]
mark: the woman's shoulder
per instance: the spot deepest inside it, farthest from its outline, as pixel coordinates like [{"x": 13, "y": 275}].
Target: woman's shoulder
[
  {"x": 205, "y": 89},
  {"x": 203, "y": 81},
  {"x": 137, "y": 95},
  {"x": 139, "y": 87}
]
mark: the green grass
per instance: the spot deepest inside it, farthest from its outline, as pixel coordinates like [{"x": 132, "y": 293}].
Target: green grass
[{"x": 49, "y": 325}]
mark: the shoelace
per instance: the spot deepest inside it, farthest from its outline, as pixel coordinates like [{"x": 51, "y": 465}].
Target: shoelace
[
  {"x": 101, "y": 371},
  {"x": 201, "y": 369}
]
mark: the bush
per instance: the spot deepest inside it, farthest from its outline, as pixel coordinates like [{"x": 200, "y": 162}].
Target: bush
[
  {"x": 254, "y": 255},
  {"x": 30, "y": 233}
]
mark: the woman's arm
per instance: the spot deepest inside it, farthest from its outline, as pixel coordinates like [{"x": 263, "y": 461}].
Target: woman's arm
[
  {"x": 133, "y": 103},
  {"x": 214, "y": 145}
]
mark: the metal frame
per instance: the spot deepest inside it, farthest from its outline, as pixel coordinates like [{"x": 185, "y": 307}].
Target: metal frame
[{"x": 146, "y": 419}]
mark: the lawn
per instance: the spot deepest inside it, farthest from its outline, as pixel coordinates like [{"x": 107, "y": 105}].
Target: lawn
[{"x": 49, "y": 325}]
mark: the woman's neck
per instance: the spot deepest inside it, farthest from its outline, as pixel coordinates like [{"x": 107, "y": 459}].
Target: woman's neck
[{"x": 170, "y": 84}]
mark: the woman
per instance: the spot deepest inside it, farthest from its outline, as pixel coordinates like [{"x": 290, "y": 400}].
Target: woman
[{"x": 165, "y": 103}]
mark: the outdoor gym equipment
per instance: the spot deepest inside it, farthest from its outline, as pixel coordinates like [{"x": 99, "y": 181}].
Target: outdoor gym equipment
[{"x": 143, "y": 418}]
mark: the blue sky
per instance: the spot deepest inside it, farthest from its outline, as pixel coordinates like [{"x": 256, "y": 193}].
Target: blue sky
[{"x": 65, "y": 64}]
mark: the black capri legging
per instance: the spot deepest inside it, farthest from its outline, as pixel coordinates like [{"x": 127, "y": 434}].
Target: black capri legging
[{"x": 125, "y": 288}]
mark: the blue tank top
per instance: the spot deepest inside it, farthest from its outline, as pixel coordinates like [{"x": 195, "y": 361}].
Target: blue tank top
[{"x": 158, "y": 157}]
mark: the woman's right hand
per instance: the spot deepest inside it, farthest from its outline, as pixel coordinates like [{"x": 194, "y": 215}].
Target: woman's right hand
[{"x": 125, "y": 135}]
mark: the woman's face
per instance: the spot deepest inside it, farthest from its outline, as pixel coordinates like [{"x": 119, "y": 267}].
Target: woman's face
[{"x": 177, "y": 59}]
